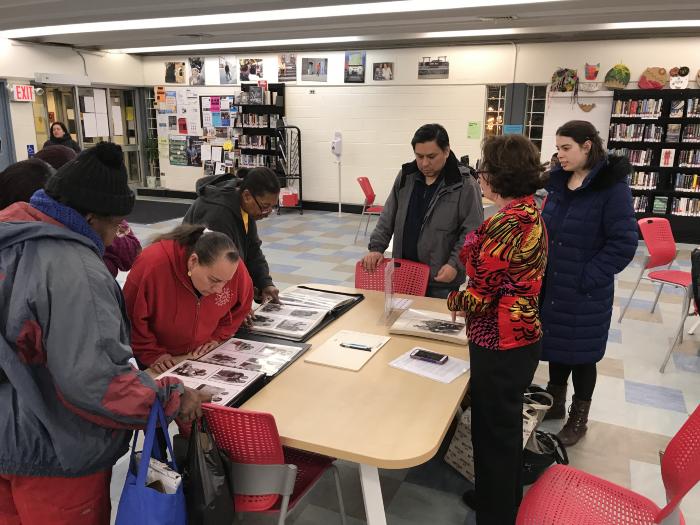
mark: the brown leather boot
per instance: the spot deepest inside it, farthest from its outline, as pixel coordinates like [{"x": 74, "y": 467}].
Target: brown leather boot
[
  {"x": 575, "y": 427},
  {"x": 558, "y": 410}
]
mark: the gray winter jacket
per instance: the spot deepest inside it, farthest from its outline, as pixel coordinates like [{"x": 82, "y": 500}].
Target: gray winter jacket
[
  {"x": 69, "y": 396},
  {"x": 456, "y": 209}
]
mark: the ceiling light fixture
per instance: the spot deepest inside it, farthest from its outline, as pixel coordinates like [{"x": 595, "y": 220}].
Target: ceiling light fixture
[{"x": 304, "y": 13}]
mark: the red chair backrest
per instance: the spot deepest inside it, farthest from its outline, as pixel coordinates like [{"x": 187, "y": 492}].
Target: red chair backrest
[
  {"x": 658, "y": 237},
  {"x": 246, "y": 437},
  {"x": 366, "y": 186},
  {"x": 680, "y": 465},
  {"x": 410, "y": 277}
]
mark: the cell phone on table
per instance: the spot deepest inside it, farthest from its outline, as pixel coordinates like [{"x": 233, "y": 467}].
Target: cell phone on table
[{"x": 427, "y": 355}]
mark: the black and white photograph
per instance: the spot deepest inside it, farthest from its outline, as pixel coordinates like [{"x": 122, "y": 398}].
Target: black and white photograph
[
  {"x": 220, "y": 358},
  {"x": 196, "y": 71},
  {"x": 383, "y": 71},
  {"x": 174, "y": 72},
  {"x": 437, "y": 326},
  {"x": 190, "y": 369},
  {"x": 227, "y": 70},
  {"x": 250, "y": 69},
  {"x": 279, "y": 352},
  {"x": 287, "y": 67},
  {"x": 262, "y": 320},
  {"x": 227, "y": 375},
  {"x": 433, "y": 68},
  {"x": 218, "y": 394},
  {"x": 304, "y": 314},
  {"x": 293, "y": 326},
  {"x": 242, "y": 346},
  {"x": 272, "y": 307}
]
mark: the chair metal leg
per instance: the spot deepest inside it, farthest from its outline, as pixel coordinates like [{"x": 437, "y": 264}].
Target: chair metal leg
[
  {"x": 636, "y": 285},
  {"x": 283, "y": 510},
  {"x": 359, "y": 225},
  {"x": 679, "y": 332},
  {"x": 656, "y": 299},
  {"x": 694, "y": 327},
  {"x": 369, "y": 218},
  {"x": 339, "y": 491}
]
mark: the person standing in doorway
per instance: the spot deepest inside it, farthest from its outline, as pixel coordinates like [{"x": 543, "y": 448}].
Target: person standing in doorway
[
  {"x": 592, "y": 237},
  {"x": 60, "y": 136},
  {"x": 432, "y": 206}
]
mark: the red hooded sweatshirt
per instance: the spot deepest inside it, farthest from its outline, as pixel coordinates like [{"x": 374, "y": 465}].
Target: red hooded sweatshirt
[{"x": 167, "y": 316}]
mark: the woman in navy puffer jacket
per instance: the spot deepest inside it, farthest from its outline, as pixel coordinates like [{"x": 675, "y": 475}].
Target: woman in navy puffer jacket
[{"x": 592, "y": 236}]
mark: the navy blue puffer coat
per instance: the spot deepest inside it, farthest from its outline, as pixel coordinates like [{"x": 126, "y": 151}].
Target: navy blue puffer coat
[{"x": 592, "y": 236}]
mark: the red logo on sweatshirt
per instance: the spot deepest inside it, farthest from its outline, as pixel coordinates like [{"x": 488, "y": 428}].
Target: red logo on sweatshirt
[{"x": 223, "y": 298}]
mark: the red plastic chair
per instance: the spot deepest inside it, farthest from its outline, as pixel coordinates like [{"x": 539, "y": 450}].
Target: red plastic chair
[
  {"x": 658, "y": 238},
  {"x": 409, "y": 277},
  {"x": 367, "y": 208},
  {"x": 260, "y": 462},
  {"x": 565, "y": 495}
]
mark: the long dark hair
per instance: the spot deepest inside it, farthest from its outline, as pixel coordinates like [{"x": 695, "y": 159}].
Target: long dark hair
[
  {"x": 580, "y": 131},
  {"x": 208, "y": 246},
  {"x": 66, "y": 135}
]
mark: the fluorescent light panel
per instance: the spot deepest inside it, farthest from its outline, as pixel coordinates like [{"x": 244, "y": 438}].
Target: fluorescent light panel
[
  {"x": 470, "y": 33},
  {"x": 304, "y": 13}
]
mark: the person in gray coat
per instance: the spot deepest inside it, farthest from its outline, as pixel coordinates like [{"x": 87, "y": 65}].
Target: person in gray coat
[{"x": 432, "y": 206}]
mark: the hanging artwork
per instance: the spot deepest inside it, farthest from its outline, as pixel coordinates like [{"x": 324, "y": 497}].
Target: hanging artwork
[
  {"x": 174, "y": 72},
  {"x": 383, "y": 71},
  {"x": 287, "y": 67},
  {"x": 227, "y": 70},
  {"x": 591, "y": 75},
  {"x": 196, "y": 71},
  {"x": 433, "y": 68},
  {"x": 653, "y": 78},
  {"x": 314, "y": 69},
  {"x": 355, "y": 65},
  {"x": 679, "y": 77},
  {"x": 586, "y": 108},
  {"x": 251, "y": 69},
  {"x": 617, "y": 77}
]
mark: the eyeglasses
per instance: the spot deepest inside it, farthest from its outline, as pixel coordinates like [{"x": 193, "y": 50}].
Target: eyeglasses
[{"x": 265, "y": 211}]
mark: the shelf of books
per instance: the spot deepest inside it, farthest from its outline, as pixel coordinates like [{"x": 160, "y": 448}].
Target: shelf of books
[{"x": 659, "y": 132}]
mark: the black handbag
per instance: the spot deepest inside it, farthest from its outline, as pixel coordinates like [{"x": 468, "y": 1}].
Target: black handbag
[
  {"x": 208, "y": 490},
  {"x": 551, "y": 451}
]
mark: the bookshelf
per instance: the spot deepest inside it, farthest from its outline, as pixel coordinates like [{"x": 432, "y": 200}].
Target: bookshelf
[{"x": 659, "y": 132}]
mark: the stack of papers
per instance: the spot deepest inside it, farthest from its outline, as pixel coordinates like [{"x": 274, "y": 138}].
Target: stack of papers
[{"x": 331, "y": 353}]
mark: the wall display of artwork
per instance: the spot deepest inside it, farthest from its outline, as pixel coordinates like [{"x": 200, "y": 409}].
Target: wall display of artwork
[
  {"x": 287, "y": 67},
  {"x": 383, "y": 71},
  {"x": 355, "y": 66},
  {"x": 227, "y": 70},
  {"x": 314, "y": 69},
  {"x": 196, "y": 65},
  {"x": 433, "y": 68},
  {"x": 174, "y": 73},
  {"x": 251, "y": 69}
]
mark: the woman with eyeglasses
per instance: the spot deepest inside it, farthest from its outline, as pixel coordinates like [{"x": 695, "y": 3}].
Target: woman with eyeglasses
[
  {"x": 186, "y": 293},
  {"x": 505, "y": 260},
  {"x": 233, "y": 207}
]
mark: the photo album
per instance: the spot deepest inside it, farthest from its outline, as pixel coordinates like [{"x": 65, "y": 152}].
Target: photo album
[
  {"x": 301, "y": 311},
  {"x": 232, "y": 367},
  {"x": 431, "y": 325}
]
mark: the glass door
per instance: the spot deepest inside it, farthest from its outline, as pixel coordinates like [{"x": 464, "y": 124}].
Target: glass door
[{"x": 124, "y": 130}]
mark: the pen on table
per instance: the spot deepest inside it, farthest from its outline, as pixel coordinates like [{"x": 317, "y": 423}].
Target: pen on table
[
  {"x": 356, "y": 346},
  {"x": 265, "y": 301}
]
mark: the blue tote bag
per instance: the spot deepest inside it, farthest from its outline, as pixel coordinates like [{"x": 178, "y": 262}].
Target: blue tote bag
[{"x": 139, "y": 504}]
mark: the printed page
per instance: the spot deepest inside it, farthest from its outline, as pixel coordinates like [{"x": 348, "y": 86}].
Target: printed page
[
  {"x": 255, "y": 356},
  {"x": 314, "y": 298},
  {"x": 287, "y": 320},
  {"x": 444, "y": 373}
]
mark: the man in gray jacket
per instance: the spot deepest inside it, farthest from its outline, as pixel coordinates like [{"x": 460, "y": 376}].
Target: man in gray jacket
[{"x": 433, "y": 204}]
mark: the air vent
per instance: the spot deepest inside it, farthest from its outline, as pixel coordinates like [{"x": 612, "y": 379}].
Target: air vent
[
  {"x": 497, "y": 18},
  {"x": 197, "y": 35}
]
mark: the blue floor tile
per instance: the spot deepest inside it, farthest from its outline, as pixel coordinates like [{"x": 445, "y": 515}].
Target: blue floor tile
[
  {"x": 687, "y": 363},
  {"x": 655, "y": 396},
  {"x": 614, "y": 335},
  {"x": 283, "y": 268}
]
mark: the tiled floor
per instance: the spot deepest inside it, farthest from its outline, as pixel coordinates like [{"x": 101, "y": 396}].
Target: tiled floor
[{"x": 635, "y": 410}]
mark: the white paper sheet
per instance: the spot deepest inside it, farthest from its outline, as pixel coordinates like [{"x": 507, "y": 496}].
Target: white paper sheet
[
  {"x": 216, "y": 152},
  {"x": 117, "y": 120},
  {"x": 90, "y": 125},
  {"x": 100, "y": 96},
  {"x": 206, "y": 152},
  {"x": 102, "y": 124},
  {"x": 89, "y": 104},
  {"x": 219, "y": 168},
  {"x": 445, "y": 373}
]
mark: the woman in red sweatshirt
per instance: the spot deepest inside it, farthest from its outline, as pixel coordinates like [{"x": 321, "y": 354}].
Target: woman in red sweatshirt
[{"x": 186, "y": 293}]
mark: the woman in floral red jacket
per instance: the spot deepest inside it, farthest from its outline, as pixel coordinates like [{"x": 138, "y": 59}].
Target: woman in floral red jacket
[{"x": 505, "y": 260}]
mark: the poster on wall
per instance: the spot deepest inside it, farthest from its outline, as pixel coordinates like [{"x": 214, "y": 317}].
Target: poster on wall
[
  {"x": 177, "y": 150},
  {"x": 174, "y": 72},
  {"x": 287, "y": 67},
  {"x": 196, "y": 71},
  {"x": 227, "y": 70},
  {"x": 433, "y": 68},
  {"x": 383, "y": 71},
  {"x": 355, "y": 64},
  {"x": 194, "y": 151},
  {"x": 251, "y": 69},
  {"x": 314, "y": 69}
]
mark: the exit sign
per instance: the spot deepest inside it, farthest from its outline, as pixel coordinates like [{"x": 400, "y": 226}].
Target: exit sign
[{"x": 23, "y": 93}]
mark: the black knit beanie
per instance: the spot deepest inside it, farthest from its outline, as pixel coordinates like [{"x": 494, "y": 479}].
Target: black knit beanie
[{"x": 94, "y": 182}]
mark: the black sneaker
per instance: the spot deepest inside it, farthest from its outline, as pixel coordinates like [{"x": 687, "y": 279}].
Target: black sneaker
[{"x": 469, "y": 498}]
